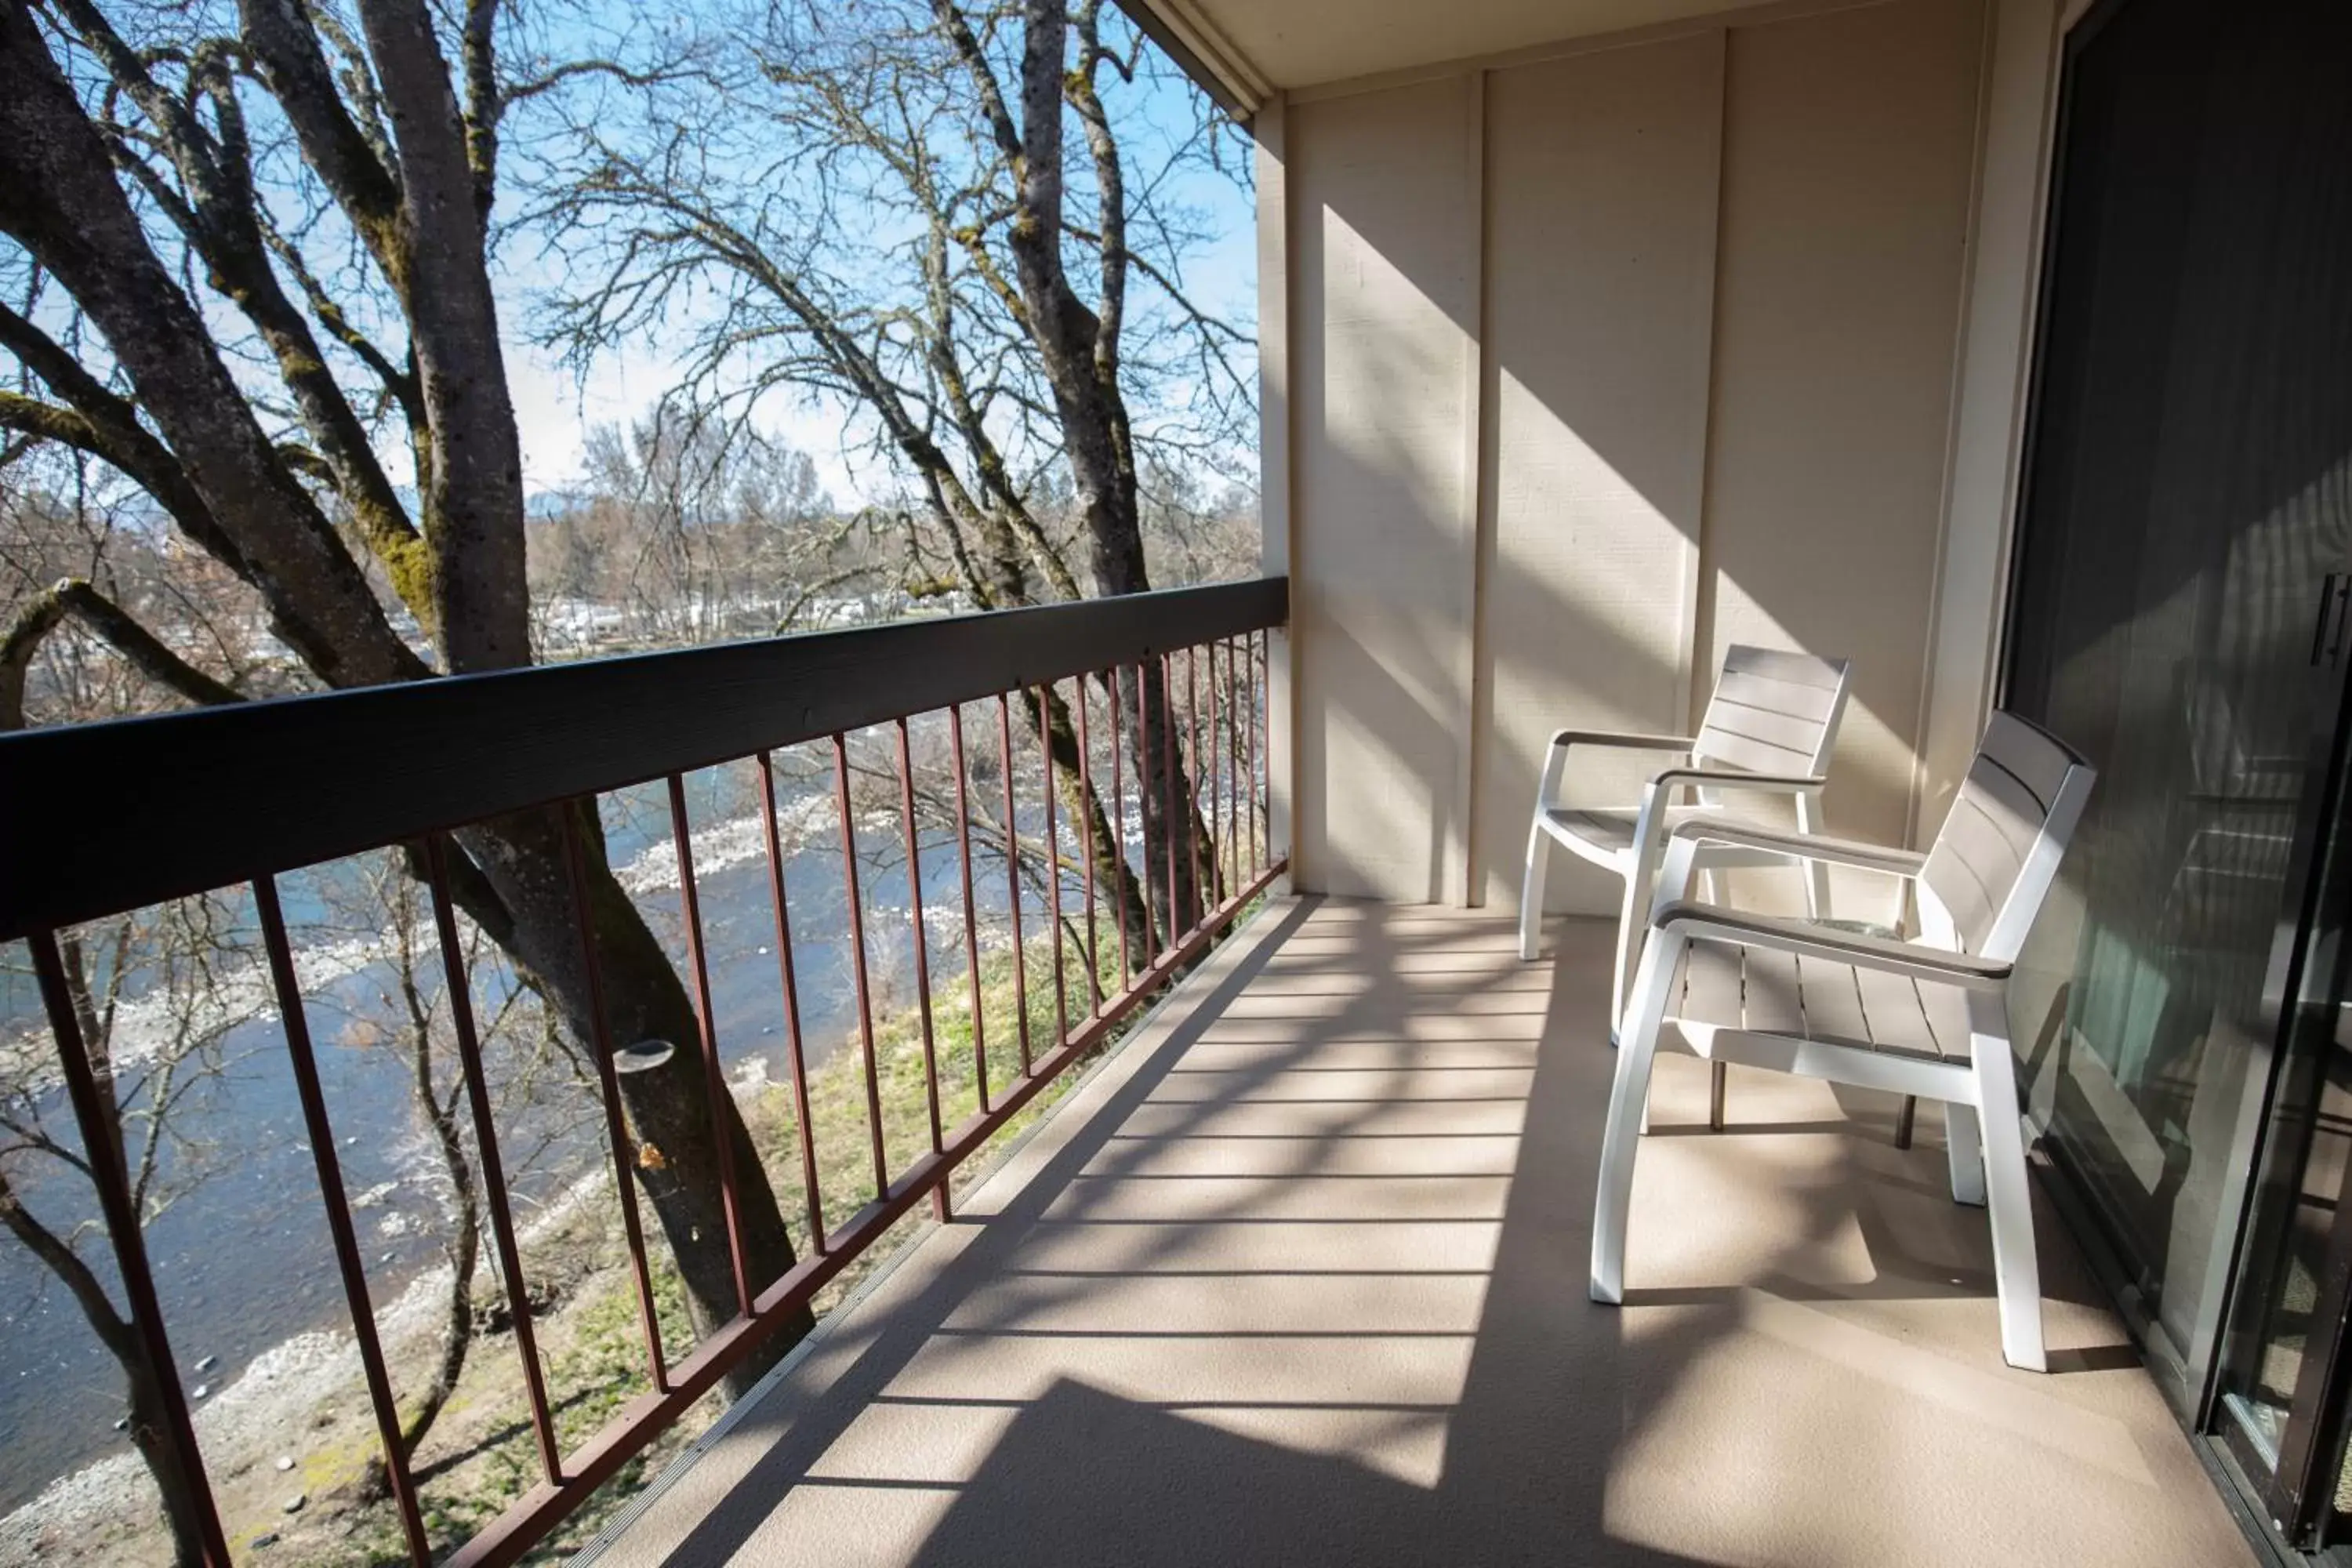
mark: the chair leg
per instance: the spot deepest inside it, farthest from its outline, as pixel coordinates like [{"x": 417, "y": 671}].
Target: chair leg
[
  {"x": 1641, "y": 871},
  {"x": 1629, "y": 1095},
  {"x": 2016, "y": 1268},
  {"x": 1718, "y": 1074},
  {"x": 1964, "y": 1152},
  {"x": 1531, "y": 889},
  {"x": 1633, "y": 928},
  {"x": 1816, "y": 873}
]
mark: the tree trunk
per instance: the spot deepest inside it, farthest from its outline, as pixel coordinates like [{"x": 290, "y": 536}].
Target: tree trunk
[
  {"x": 676, "y": 1158},
  {"x": 183, "y": 1503},
  {"x": 464, "y": 1249},
  {"x": 1173, "y": 834},
  {"x": 1078, "y": 349},
  {"x": 59, "y": 198},
  {"x": 1106, "y": 857},
  {"x": 182, "y": 1498},
  {"x": 457, "y": 1332},
  {"x": 474, "y": 499}
]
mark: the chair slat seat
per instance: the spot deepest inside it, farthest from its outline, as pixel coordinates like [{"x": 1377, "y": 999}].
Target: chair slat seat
[
  {"x": 1725, "y": 985},
  {"x": 1607, "y": 832},
  {"x": 1768, "y": 730},
  {"x": 1920, "y": 1015}
]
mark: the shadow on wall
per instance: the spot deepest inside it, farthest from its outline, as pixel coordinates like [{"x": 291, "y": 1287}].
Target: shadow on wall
[{"x": 1779, "y": 392}]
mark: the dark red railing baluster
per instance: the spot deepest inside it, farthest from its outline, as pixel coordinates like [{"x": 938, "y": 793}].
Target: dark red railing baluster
[
  {"x": 922, "y": 957},
  {"x": 616, "y": 1133},
  {"x": 1012, "y": 876},
  {"x": 531, "y": 1518},
  {"x": 971, "y": 920},
  {"x": 1119, "y": 833},
  {"x": 1213, "y": 781},
  {"x": 486, "y": 1143},
  {"x": 1261, "y": 807},
  {"x": 1213, "y": 788},
  {"x": 1053, "y": 862},
  {"x": 1201, "y": 896},
  {"x": 1212, "y": 778},
  {"x": 1152, "y": 918},
  {"x": 397, "y": 1479},
  {"x": 1088, "y": 809},
  {"x": 110, "y": 1172},
  {"x": 714, "y": 1075},
  {"x": 1235, "y": 720},
  {"x": 858, "y": 963},
  {"x": 1168, "y": 792},
  {"x": 795, "y": 1061}
]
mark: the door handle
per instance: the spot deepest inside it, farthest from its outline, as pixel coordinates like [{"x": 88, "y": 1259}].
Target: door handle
[{"x": 2327, "y": 636}]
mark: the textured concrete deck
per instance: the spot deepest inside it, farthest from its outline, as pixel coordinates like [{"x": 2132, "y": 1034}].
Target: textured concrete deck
[{"x": 1299, "y": 1278}]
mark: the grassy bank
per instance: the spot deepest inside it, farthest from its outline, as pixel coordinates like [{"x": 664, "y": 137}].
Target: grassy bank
[{"x": 481, "y": 1454}]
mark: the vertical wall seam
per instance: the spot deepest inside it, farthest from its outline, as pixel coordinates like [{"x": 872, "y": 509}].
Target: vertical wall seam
[
  {"x": 1478, "y": 442},
  {"x": 1956, "y": 390},
  {"x": 1701, "y": 598},
  {"x": 1691, "y": 655}
]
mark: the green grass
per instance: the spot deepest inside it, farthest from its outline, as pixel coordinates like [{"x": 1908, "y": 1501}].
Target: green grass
[{"x": 592, "y": 1348}]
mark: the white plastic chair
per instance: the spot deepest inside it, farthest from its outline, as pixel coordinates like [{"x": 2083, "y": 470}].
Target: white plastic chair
[
  {"x": 1768, "y": 730},
  {"x": 1925, "y": 1016}
]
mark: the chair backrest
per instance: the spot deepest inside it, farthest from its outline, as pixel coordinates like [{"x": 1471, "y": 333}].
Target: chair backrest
[
  {"x": 1996, "y": 855},
  {"x": 1774, "y": 712}
]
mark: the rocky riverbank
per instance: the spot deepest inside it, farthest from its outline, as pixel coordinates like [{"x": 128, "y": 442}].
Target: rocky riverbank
[{"x": 291, "y": 1446}]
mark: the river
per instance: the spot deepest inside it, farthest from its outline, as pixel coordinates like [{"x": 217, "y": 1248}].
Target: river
[{"x": 243, "y": 1261}]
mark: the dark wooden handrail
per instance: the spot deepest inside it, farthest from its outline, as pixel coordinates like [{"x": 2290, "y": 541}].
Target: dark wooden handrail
[{"x": 100, "y": 818}]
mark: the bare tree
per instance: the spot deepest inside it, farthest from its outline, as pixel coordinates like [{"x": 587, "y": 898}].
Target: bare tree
[
  {"x": 880, "y": 220},
  {"x": 687, "y": 532},
  {"x": 130, "y": 163},
  {"x": 525, "y": 1072},
  {"x": 145, "y": 991},
  {"x": 155, "y": 1021}
]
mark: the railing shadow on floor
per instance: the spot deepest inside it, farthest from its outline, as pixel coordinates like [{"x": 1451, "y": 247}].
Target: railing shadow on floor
[{"x": 1081, "y": 1474}]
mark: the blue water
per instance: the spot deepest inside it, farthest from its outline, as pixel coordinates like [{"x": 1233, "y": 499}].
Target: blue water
[{"x": 244, "y": 1261}]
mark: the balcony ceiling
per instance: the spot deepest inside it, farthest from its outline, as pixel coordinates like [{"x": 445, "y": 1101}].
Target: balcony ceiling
[{"x": 1256, "y": 47}]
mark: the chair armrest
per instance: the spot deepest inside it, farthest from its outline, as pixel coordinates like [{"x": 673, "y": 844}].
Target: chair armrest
[
  {"x": 1735, "y": 779},
  {"x": 1622, "y": 740},
  {"x": 1802, "y": 845},
  {"x": 1713, "y": 922}
]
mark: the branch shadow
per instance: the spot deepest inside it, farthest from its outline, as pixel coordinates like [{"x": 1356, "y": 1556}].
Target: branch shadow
[{"x": 1511, "y": 1449}]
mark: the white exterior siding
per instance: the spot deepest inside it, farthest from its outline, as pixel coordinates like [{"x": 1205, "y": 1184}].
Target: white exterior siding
[{"x": 1594, "y": 361}]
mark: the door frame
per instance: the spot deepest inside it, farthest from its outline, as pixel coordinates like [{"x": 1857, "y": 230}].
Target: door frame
[{"x": 2278, "y": 1505}]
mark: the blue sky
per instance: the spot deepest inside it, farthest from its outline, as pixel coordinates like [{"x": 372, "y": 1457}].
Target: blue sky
[{"x": 554, "y": 406}]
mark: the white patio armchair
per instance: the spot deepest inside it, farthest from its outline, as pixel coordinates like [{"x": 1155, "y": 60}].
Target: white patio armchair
[
  {"x": 1769, "y": 729},
  {"x": 1925, "y": 1016}
]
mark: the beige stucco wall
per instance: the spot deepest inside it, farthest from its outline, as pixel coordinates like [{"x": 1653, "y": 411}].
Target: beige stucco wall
[
  {"x": 1383, "y": 258},
  {"x": 1602, "y": 179},
  {"x": 1590, "y": 364}
]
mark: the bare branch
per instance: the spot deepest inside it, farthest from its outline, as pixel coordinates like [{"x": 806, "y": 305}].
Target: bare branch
[{"x": 108, "y": 621}]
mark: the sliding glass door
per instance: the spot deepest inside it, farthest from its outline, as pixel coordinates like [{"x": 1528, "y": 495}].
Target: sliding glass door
[
  {"x": 2283, "y": 1372},
  {"x": 2178, "y": 613}
]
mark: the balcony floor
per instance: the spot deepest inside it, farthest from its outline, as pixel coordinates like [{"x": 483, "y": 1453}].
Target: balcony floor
[{"x": 1298, "y": 1276}]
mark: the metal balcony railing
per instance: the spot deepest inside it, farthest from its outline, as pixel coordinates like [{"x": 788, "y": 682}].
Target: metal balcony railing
[{"x": 100, "y": 819}]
